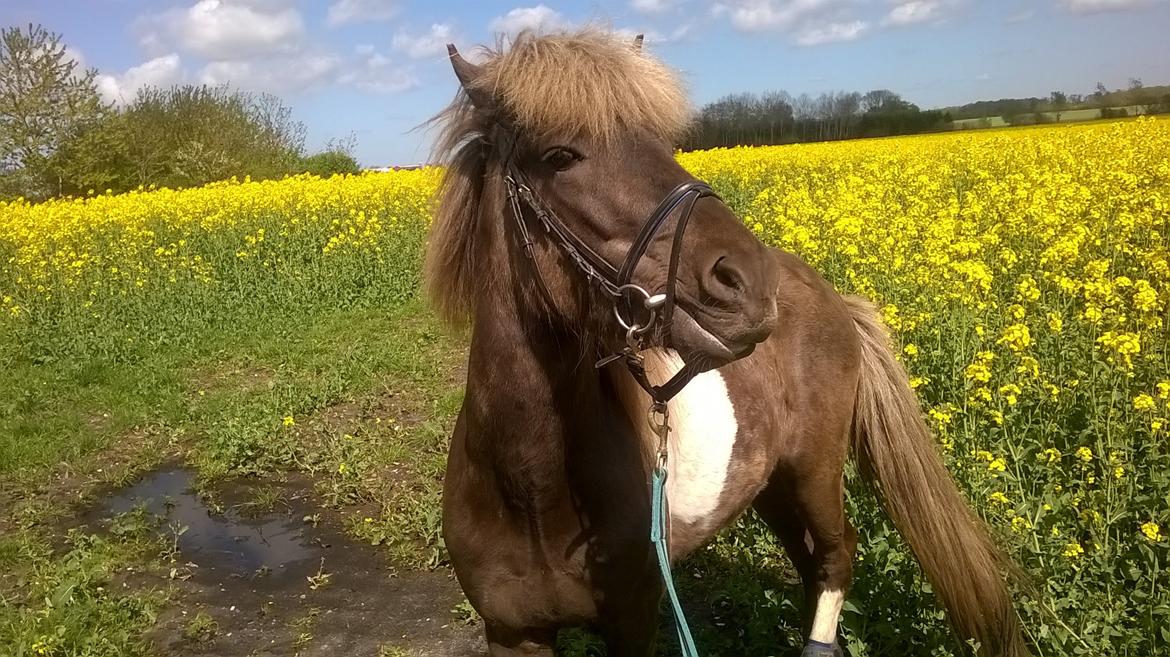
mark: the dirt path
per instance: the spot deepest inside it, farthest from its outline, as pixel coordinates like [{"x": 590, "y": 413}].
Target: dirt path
[{"x": 282, "y": 579}]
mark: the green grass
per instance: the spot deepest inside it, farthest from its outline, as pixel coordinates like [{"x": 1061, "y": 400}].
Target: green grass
[
  {"x": 68, "y": 600},
  {"x": 371, "y": 389}
]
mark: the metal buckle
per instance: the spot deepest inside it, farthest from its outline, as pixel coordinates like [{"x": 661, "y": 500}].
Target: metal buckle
[
  {"x": 650, "y": 302},
  {"x": 659, "y": 418}
]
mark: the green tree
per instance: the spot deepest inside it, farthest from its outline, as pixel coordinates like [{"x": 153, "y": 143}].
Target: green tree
[
  {"x": 337, "y": 157},
  {"x": 1059, "y": 102},
  {"x": 46, "y": 99},
  {"x": 185, "y": 136}
]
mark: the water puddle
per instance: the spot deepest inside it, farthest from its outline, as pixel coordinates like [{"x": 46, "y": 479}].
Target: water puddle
[{"x": 227, "y": 540}]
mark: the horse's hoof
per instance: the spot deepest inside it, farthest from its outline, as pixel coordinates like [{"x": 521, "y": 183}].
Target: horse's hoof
[{"x": 818, "y": 649}]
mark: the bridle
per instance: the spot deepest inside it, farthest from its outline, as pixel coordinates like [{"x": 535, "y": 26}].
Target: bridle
[{"x": 629, "y": 299}]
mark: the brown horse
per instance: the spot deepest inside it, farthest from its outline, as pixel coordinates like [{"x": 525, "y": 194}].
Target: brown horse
[{"x": 558, "y": 148}]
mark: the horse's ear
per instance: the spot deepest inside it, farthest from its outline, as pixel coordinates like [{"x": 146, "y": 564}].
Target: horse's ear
[
  {"x": 468, "y": 73},
  {"x": 638, "y": 42}
]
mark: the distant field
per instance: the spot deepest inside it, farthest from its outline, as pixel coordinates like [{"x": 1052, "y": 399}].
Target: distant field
[
  {"x": 274, "y": 331},
  {"x": 1065, "y": 117}
]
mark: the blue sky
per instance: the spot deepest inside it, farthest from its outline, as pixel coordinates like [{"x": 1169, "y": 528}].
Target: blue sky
[{"x": 377, "y": 68}]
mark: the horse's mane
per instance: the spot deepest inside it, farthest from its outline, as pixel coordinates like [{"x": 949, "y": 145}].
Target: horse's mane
[{"x": 589, "y": 83}]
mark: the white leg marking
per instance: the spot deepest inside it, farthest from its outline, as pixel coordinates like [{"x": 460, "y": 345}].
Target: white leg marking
[
  {"x": 703, "y": 430},
  {"x": 824, "y": 627}
]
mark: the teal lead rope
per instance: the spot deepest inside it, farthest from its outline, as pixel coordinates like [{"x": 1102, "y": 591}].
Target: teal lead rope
[{"x": 659, "y": 533}]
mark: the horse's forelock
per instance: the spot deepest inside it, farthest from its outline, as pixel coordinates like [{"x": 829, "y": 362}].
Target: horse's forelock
[{"x": 590, "y": 83}]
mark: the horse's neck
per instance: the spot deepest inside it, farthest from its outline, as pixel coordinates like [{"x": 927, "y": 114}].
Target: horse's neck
[
  {"x": 548, "y": 422},
  {"x": 528, "y": 398}
]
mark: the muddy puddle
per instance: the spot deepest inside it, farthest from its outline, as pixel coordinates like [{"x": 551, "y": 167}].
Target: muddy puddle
[
  {"x": 274, "y": 583},
  {"x": 227, "y": 540}
]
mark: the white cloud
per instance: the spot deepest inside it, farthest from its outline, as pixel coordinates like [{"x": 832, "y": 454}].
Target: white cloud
[
  {"x": 226, "y": 29},
  {"x": 652, "y": 6},
  {"x": 1098, "y": 6},
  {"x": 344, "y": 12},
  {"x": 432, "y": 43},
  {"x": 376, "y": 73},
  {"x": 808, "y": 22},
  {"x": 914, "y": 12},
  {"x": 159, "y": 72},
  {"x": 983, "y": 77},
  {"x": 815, "y": 35},
  {"x": 761, "y": 15},
  {"x": 540, "y": 18},
  {"x": 301, "y": 71}
]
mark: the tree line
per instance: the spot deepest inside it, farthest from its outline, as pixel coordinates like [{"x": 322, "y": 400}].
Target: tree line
[
  {"x": 1140, "y": 98},
  {"x": 59, "y": 138},
  {"x": 777, "y": 117}
]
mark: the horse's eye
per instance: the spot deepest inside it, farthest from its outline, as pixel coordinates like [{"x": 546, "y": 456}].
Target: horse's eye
[{"x": 560, "y": 158}]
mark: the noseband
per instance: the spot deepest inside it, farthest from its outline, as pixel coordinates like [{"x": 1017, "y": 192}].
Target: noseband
[{"x": 635, "y": 309}]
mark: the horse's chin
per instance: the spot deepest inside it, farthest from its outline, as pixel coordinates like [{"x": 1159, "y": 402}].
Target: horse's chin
[{"x": 700, "y": 347}]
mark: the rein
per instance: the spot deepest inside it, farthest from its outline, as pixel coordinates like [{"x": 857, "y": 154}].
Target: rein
[{"x": 657, "y": 308}]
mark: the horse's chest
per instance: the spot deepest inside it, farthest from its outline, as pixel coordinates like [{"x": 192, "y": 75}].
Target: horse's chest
[{"x": 701, "y": 446}]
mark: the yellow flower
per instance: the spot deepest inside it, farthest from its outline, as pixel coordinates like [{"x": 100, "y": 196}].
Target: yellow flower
[
  {"x": 941, "y": 416},
  {"x": 997, "y": 465},
  {"x": 1164, "y": 389},
  {"x": 1118, "y": 472},
  {"x": 1009, "y": 392},
  {"x": 978, "y": 372},
  {"x": 1123, "y": 345},
  {"x": 1073, "y": 550},
  {"x": 1085, "y": 454},
  {"x": 288, "y": 421},
  {"x": 1143, "y": 402},
  {"x": 1020, "y": 524},
  {"x": 910, "y": 349},
  {"x": 1152, "y": 531},
  {"x": 998, "y": 498},
  {"x": 342, "y": 468},
  {"x": 1049, "y": 455},
  {"x": 1055, "y": 323},
  {"x": 1017, "y": 337}
]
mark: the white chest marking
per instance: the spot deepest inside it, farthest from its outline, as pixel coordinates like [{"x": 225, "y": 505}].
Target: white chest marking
[{"x": 703, "y": 430}]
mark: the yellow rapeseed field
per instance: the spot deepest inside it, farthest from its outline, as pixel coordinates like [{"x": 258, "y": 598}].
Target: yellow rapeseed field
[{"x": 1025, "y": 274}]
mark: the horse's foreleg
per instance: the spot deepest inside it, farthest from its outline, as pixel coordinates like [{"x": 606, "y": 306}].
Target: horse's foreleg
[
  {"x": 507, "y": 642},
  {"x": 629, "y": 621}
]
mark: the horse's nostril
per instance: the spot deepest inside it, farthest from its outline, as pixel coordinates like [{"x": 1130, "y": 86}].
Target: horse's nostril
[{"x": 727, "y": 276}]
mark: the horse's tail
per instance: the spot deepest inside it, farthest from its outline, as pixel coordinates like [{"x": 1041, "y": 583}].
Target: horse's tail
[{"x": 898, "y": 456}]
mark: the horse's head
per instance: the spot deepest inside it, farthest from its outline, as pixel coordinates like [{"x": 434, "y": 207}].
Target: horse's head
[{"x": 579, "y": 129}]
